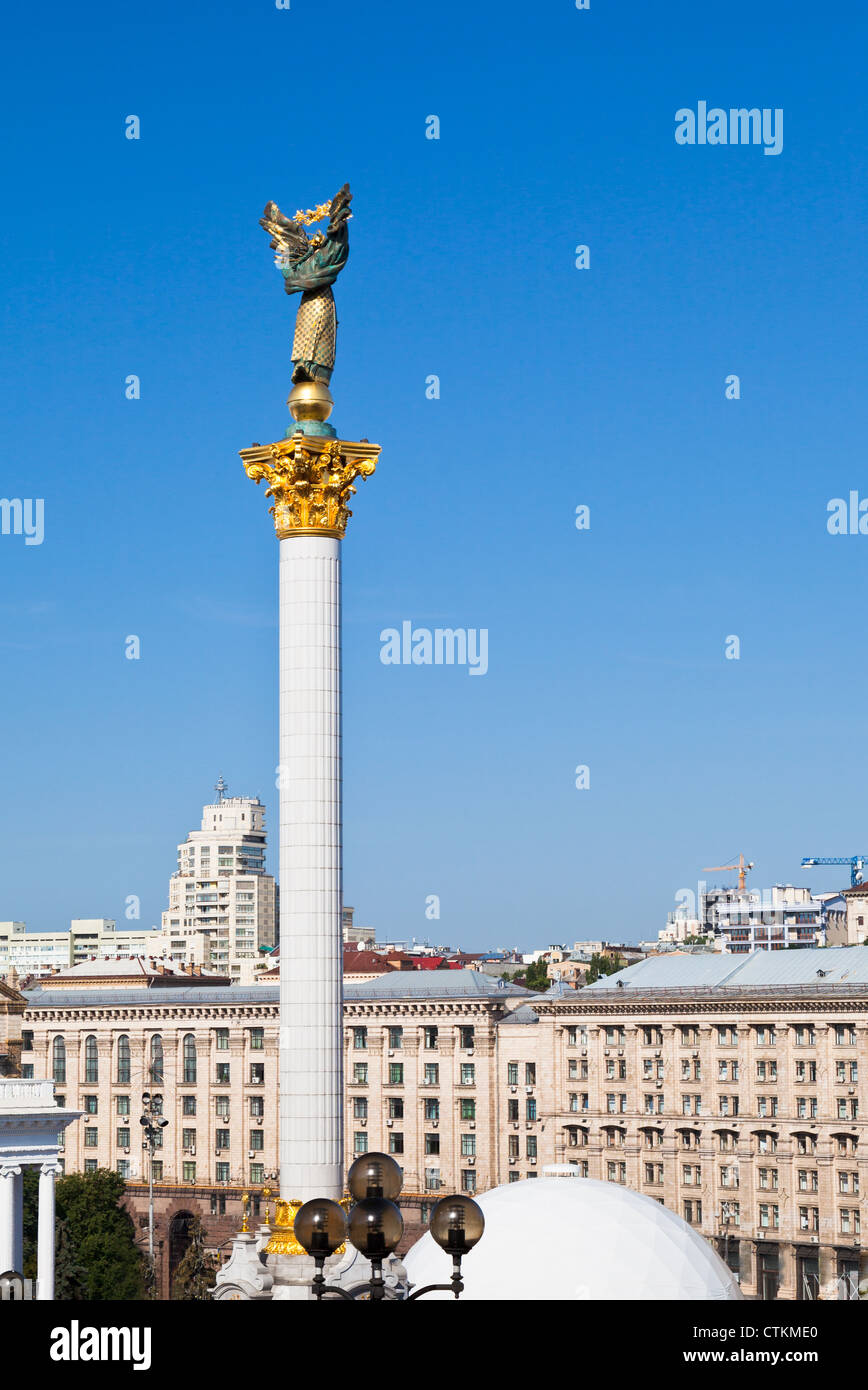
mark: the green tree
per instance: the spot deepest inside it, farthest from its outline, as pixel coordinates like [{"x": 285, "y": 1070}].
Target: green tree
[
  {"x": 95, "y": 1252},
  {"x": 602, "y": 965},
  {"x": 536, "y": 975},
  {"x": 194, "y": 1276}
]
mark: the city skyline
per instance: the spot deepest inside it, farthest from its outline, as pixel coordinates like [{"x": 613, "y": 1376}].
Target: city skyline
[{"x": 559, "y": 387}]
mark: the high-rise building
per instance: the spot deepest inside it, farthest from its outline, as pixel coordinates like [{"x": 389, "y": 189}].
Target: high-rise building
[
  {"x": 221, "y": 901},
  {"x": 40, "y": 952}
]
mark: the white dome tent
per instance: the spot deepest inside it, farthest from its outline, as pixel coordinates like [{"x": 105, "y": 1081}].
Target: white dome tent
[{"x": 548, "y": 1239}]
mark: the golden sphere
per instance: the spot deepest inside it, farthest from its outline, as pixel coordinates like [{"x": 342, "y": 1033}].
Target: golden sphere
[{"x": 310, "y": 400}]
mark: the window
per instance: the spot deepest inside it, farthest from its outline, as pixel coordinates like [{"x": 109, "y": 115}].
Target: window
[
  {"x": 848, "y": 1182},
  {"x": 396, "y": 1039},
  {"x": 468, "y": 1180},
  {"x": 693, "y": 1212},
  {"x": 531, "y": 1146},
  {"x": 123, "y": 1138},
  {"x": 432, "y": 1074},
  {"x": 512, "y": 1073},
  {"x": 845, "y": 1035},
  {"x": 257, "y": 1039},
  {"x": 530, "y": 1108},
  {"x": 91, "y": 1138},
  {"x": 91, "y": 1059},
  {"x": 468, "y": 1145},
  {"x": 809, "y": 1218},
  {"x": 850, "y": 1221},
  {"x": 468, "y": 1074},
  {"x": 360, "y": 1142},
  {"x": 530, "y": 1074},
  {"x": 26, "y": 1040},
  {"x": 189, "y": 1059},
  {"x": 360, "y": 1073},
  {"x": 396, "y": 1107},
  {"x": 156, "y": 1068},
  {"x": 157, "y": 1169},
  {"x": 512, "y": 1146},
  {"x": 122, "y": 1105},
  {"x": 768, "y": 1178},
  {"x": 430, "y": 1036},
  {"x": 765, "y": 1037},
  {"x": 222, "y": 1173},
  {"x": 432, "y": 1179},
  {"x": 360, "y": 1038},
  {"x": 188, "y": 1171},
  {"x": 727, "y": 1037},
  {"x": 90, "y": 1105},
  {"x": 222, "y": 1138},
  {"x": 432, "y": 1143},
  {"x": 466, "y": 1037},
  {"x": 432, "y": 1109},
  {"x": 257, "y": 1106},
  {"x": 257, "y": 1172},
  {"x": 360, "y": 1108},
  {"x": 513, "y": 1175},
  {"x": 123, "y": 1060},
  {"x": 652, "y": 1037},
  {"x": 188, "y": 1138},
  {"x": 689, "y": 1037},
  {"x": 396, "y": 1142},
  {"x": 257, "y": 1073},
  {"x": 222, "y": 1035},
  {"x": 615, "y": 1037},
  {"x": 123, "y": 1167},
  {"x": 512, "y": 1110},
  {"x": 808, "y": 1180},
  {"x": 221, "y": 1106},
  {"x": 90, "y": 1165},
  {"x": 396, "y": 1073},
  {"x": 257, "y": 1139},
  {"x": 805, "y": 1035},
  {"x": 223, "y": 1074},
  {"x": 468, "y": 1109},
  {"x": 769, "y": 1216}
]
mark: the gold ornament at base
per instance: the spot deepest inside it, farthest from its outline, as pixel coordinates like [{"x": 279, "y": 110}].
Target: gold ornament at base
[{"x": 283, "y": 1241}]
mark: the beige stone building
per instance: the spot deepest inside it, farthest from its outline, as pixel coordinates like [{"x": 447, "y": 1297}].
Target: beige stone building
[{"x": 728, "y": 1089}]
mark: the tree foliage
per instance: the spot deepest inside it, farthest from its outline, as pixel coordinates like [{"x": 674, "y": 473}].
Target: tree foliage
[
  {"x": 96, "y": 1257},
  {"x": 536, "y": 975},
  {"x": 194, "y": 1276},
  {"x": 602, "y": 965}
]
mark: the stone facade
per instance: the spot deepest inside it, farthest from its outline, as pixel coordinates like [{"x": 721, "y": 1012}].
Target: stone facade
[{"x": 743, "y": 1110}]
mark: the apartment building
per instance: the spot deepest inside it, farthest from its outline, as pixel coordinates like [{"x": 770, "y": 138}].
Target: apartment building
[
  {"x": 728, "y": 1089},
  {"x": 222, "y": 904},
  {"x": 41, "y": 952}
]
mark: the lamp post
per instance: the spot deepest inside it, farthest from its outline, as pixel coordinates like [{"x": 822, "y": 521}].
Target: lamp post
[
  {"x": 375, "y": 1226},
  {"x": 152, "y": 1123}
]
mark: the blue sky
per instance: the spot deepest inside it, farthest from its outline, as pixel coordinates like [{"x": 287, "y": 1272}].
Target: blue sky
[{"x": 559, "y": 387}]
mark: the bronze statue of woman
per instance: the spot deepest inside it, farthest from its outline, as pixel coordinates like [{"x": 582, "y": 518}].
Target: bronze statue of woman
[{"x": 310, "y": 266}]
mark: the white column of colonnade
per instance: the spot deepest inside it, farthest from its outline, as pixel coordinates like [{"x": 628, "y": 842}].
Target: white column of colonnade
[
  {"x": 311, "y": 888},
  {"x": 45, "y": 1234},
  {"x": 11, "y": 1218}
]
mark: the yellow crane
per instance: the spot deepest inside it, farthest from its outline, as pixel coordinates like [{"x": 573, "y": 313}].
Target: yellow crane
[{"x": 741, "y": 866}]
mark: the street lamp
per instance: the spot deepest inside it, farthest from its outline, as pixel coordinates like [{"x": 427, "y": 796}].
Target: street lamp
[
  {"x": 152, "y": 1123},
  {"x": 375, "y": 1226}
]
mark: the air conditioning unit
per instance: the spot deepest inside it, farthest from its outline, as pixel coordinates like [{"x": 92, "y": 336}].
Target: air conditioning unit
[
  {"x": 658, "y": 1084},
  {"x": 470, "y": 1159},
  {"x": 363, "y": 1121},
  {"x": 620, "y": 1052},
  {"x": 513, "y": 1160},
  {"x": 259, "y": 1119},
  {"x": 470, "y": 1051},
  {"x": 126, "y": 1151},
  {"x": 435, "y": 1123},
  {"x": 472, "y": 1124},
  {"x": 532, "y": 1161},
  {"x": 515, "y": 1124},
  {"x": 389, "y": 1123},
  {"x": 657, "y": 1052},
  {"x": 390, "y": 1053},
  {"x": 529, "y": 1090},
  {"x": 251, "y": 1153},
  {"x": 513, "y": 1089},
  {"x": 218, "y": 1152},
  {"x": 695, "y": 1054},
  {"x": 605, "y": 1051}
]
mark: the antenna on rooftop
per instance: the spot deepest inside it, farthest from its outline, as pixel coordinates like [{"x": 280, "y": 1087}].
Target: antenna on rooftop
[{"x": 220, "y": 788}]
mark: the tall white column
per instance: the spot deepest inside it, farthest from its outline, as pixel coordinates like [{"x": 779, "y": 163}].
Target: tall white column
[
  {"x": 11, "y": 1219},
  {"x": 45, "y": 1235},
  {"x": 311, "y": 888}
]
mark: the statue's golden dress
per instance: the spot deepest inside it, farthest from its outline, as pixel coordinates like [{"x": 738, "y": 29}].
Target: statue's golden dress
[{"x": 316, "y": 329}]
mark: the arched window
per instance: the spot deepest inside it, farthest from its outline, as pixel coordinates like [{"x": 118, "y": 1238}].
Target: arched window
[
  {"x": 189, "y": 1058},
  {"x": 123, "y": 1060},
  {"x": 157, "y": 1058},
  {"x": 58, "y": 1060},
  {"x": 91, "y": 1059}
]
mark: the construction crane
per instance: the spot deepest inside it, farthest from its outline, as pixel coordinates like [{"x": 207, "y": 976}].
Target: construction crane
[
  {"x": 722, "y": 868},
  {"x": 857, "y": 864}
]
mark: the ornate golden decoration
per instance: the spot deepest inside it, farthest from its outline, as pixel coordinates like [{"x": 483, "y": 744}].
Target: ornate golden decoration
[
  {"x": 245, "y": 1203},
  {"x": 282, "y": 1241},
  {"x": 266, "y": 1192},
  {"x": 311, "y": 480}
]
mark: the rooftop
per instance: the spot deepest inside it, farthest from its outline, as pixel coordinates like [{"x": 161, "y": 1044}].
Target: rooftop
[{"x": 759, "y": 969}]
